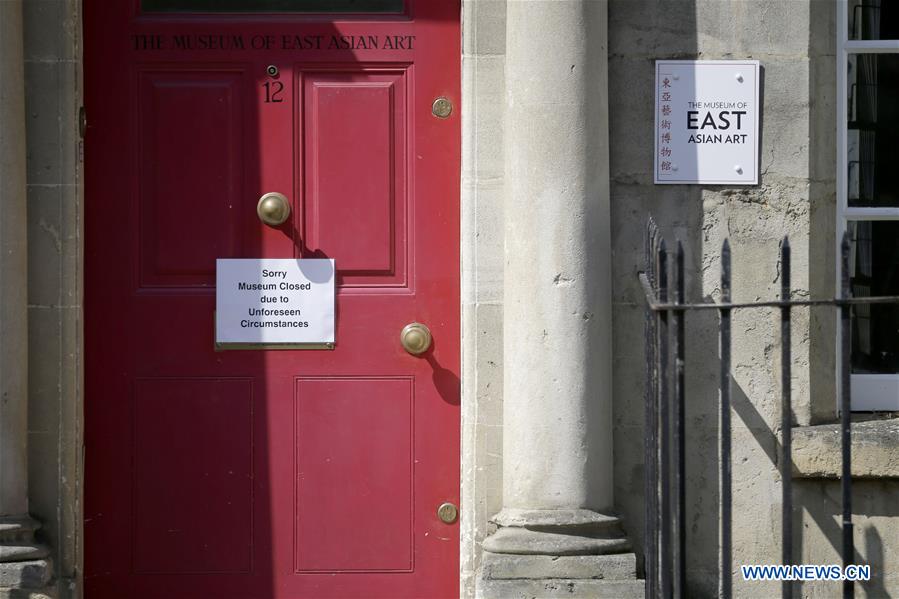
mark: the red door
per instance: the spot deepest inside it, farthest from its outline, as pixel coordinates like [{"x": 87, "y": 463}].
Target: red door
[{"x": 270, "y": 473}]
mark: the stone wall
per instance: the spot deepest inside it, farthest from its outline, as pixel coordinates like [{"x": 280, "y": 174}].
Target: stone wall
[
  {"x": 55, "y": 192},
  {"x": 483, "y": 89},
  {"x": 795, "y": 43}
]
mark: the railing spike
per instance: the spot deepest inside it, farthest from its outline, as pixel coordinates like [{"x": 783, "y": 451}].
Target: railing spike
[
  {"x": 680, "y": 473},
  {"x": 664, "y": 442},
  {"x": 846, "y": 412},
  {"x": 726, "y": 488},
  {"x": 786, "y": 465}
]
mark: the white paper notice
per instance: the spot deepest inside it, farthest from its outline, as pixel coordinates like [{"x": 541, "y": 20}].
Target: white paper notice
[
  {"x": 274, "y": 301},
  {"x": 707, "y": 121}
]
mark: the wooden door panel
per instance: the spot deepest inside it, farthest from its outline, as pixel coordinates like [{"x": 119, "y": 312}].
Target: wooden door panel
[
  {"x": 192, "y": 482},
  {"x": 355, "y": 166},
  {"x": 190, "y": 149},
  {"x": 355, "y": 468}
]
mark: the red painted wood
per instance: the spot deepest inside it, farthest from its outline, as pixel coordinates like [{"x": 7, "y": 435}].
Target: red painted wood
[
  {"x": 355, "y": 456},
  {"x": 270, "y": 474}
]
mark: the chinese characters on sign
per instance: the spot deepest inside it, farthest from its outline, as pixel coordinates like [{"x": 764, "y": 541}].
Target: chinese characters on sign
[{"x": 706, "y": 121}]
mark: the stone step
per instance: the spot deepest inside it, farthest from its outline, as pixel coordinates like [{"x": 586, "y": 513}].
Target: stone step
[
  {"x": 19, "y": 553},
  {"x": 27, "y": 594},
  {"x": 620, "y": 566},
  {"x": 32, "y": 574},
  {"x": 18, "y": 530},
  {"x": 557, "y": 588}
]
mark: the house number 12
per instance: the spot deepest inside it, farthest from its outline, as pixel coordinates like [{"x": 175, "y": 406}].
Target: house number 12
[{"x": 273, "y": 91}]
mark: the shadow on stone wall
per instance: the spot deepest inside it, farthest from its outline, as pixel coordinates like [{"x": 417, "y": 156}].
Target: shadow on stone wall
[
  {"x": 817, "y": 532},
  {"x": 795, "y": 197},
  {"x": 639, "y": 33}
]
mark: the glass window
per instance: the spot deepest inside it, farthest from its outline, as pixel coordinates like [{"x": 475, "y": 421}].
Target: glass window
[
  {"x": 873, "y": 20},
  {"x": 249, "y": 6},
  {"x": 868, "y": 190},
  {"x": 874, "y": 270},
  {"x": 873, "y": 125}
]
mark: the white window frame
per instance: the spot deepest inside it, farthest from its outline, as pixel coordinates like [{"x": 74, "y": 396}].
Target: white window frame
[{"x": 869, "y": 391}]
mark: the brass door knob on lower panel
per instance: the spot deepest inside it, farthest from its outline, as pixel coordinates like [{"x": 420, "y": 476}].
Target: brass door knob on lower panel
[
  {"x": 448, "y": 513},
  {"x": 416, "y": 338},
  {"x": 273, "y": 209},
  {"x": 442, "y": 108}
]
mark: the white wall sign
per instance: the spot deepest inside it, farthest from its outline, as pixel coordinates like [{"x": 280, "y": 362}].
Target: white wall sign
[
  {"x": 707, "y": 121},
  {"x": 274, "y": 301}
]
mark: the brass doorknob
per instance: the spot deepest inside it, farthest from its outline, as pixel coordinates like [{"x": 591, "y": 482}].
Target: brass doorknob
[
  {"x": 448, "y": 513},
  {"x": 416, "y": 338},
  {"x": 273, "y": 209}
]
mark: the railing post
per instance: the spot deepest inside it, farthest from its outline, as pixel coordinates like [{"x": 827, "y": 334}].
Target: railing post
[
  {"x": 725, "y": 426},
  {"x": 786, "y": 461},
  {"x": 664, "y": 458},
  {"x": 680, "y": 476},
  {"x": 651, "y": 537},
  {"x": 846, "y": 413}
]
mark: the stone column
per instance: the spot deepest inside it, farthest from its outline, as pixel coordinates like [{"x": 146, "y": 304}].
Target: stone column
[
  {"x": 557, "y": 408},
  {"x": 22, "y": 563}
]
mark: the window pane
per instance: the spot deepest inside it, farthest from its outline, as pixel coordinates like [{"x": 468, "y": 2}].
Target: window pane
[
  {"x": 874, "y": 270},
  {"x": 307, "y": 6},
  {"x": 873, "y": 129},
  {"x": 873, "y": 20}
]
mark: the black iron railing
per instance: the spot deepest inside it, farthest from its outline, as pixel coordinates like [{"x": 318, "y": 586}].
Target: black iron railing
[{"x": 665, "y": 538}]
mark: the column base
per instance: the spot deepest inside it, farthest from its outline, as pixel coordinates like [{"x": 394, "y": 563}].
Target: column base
[
  {"x": 25, "y": 568},
  {"x": 558, "y": 553},
  {"x": 556, "y": 532}
]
